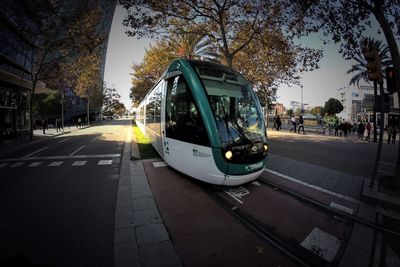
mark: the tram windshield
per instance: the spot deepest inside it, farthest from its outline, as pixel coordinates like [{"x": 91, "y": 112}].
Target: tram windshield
[{"x": 234, "y": 105}]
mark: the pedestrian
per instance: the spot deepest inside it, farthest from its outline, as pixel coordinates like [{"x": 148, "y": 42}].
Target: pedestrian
[
  {"x": 368, "y": 128},
  {"x": 59, "y": 126},
  {"x": 294, "y": 125},
  {"x": 390, "y": 132},
  {"x": 360, "y": 130},
  {"x": 79, "y": 122},
  {"x": 301, "y": 124},
  {"x": 278, "y": 123},
  {"x": 336, "y": 126},
  {"x": 394, "y": 133},
  {"x": 44, "y": 126},
  {"x": 56, "y": 125}
]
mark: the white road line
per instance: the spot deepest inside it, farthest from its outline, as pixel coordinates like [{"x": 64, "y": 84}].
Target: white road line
[
  {"x": 64, "y": 157},
  {"x": 3, "y": 165},
  {"x": 233, "y": 196},
  {"x": 79, "y": 163},
  {"x": 64, "y": 140},
  {"x": 17, "y": 164},
  {"x": 341, "y": 207},
  {"x": 70, "y": 155},
  {"x": 313, "y": 186},
  {"x": 35, "y": 152},
  {"x": 105, "y": 162},
  {"x": 34, "y": 164},
  {"x": 95, "y": 138},
  {"x": 55, "y": 163},
  {"x": 159, "y": 164}
]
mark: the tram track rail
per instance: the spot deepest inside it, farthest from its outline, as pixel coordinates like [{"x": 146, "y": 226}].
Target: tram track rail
[
  {"x": 328, "y": 209},
  {"x": 263, "y": 231}
]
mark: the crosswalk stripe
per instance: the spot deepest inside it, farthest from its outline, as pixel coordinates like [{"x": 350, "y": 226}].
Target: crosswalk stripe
[
  {"x": 34, "y": 164},
  {"x": 105, "y": 162},
  {"x": 55, "y": 163},
  {"x": 3, "y": 165},
  {"x": 17, "y": 164},
  {"x": 79, "y": 163}
]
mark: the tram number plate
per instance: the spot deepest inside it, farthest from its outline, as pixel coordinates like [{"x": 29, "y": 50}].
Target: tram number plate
[{"x": 254, "y": 167}]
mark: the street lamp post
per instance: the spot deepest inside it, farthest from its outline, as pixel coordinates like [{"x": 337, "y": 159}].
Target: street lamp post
[{"x": 302, "y": 105}]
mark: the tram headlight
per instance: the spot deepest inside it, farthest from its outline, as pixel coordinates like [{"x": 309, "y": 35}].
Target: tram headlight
[
  {"x": 228, "y": 155},
  {"x": 265, "y": 147}
]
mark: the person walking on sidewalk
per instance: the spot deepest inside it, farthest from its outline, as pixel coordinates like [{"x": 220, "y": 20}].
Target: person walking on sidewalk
[
  {"x": 79, "y": 122},
  {"x": 293, "y": 125},
  {"x": 301, "y": 124},
  {"x": 394, "y": 133},
  {"x": 278, "y": 123},
  {"x": 44, "y": 126},
  {"x": 368, "y": 129},
  {"x": 59, "y": 126}
]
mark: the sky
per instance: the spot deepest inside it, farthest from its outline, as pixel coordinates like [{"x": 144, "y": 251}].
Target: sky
[{"x": 318, "y": 85}]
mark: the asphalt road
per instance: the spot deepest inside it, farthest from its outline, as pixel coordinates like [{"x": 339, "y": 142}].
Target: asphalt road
[
  {"x": 57, "y": 197},
  {"x": 348, "y": 155}
]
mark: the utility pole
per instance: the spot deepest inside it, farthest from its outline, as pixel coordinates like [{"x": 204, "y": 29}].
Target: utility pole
[{"x": 302, "y": 104}]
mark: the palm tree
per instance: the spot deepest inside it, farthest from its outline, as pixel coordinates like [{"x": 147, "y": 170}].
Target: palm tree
[
  {"x": 194, "y": 46},
  {"x": 360, "y": 69}
]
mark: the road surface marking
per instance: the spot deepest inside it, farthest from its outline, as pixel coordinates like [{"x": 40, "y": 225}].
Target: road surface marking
[
  {"x": 233, "y": 196},
  {"x": 313, "y": 186},
  {"x": 105, "y": 162},
  {"x": 322, "y": 244},
  {"x": 237, "y": 193},
  {"x": 56, "y": 163},
  {"x": 35, "y": 152},
  {"x": 341, "y": 207},
  {"x": 17, "y": 164},
  {"x": 62, "y": 141},
  {"x": 34, "y": 164},
  {"x": 159, "y": 164},
  {"x": 65, "y": 157},
  {"x": 95, "y": 138},
  {"x": 79, "y": 163},
  {"x": 70, "y": 155},
  {"x": 3, "y": 165}
]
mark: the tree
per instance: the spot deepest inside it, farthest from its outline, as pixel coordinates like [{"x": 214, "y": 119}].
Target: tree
[
  {"x": 318, "y": 110},
  {"x": 47, "y": 104},
  {"x": 147, "y": 73},
  {"x": 289, "y": 112},
  {"x": 83, "y": 71},
  {"x": 221, "y": 21},
  {"x": 55, "y": 44},
  {"x": 360, "y": 69},
  {"x": 111, "y": 101},
  {"x": 333, "y": 106},
  {"x": 272, "y": 59},
  {"x": 194, "y": 46}
]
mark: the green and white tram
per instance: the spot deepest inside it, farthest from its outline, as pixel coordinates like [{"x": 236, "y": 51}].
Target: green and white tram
[{"x": 205, "y": 121}]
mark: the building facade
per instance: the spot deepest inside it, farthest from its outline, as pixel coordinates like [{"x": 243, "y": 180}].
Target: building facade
[
  {"x": 358, "y": 104},
  {"x": 16, "y": 53}
]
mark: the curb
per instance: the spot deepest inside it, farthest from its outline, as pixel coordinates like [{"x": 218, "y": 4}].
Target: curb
[{"x": 372, "y": 195}]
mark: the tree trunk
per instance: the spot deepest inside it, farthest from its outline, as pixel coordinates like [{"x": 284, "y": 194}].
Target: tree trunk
[{"x": 394, "y": 52}]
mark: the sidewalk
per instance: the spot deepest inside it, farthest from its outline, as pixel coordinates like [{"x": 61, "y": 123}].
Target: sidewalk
[{"x": 140, "y": 237}]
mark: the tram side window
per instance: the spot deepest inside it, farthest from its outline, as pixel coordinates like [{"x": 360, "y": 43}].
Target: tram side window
[{"x": 182, "y": 119}]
